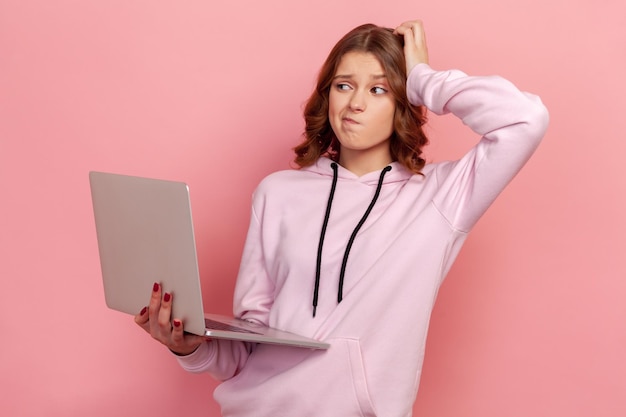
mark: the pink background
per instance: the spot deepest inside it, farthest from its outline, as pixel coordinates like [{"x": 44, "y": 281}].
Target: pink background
[{"x": 531, "y": 321}]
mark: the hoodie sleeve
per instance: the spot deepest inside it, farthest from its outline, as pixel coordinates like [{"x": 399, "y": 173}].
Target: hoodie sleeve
[
  {"x": 511, "y": 124},
  {"x": 254, "y": 290},
  {"x": 222, "y": 359}
]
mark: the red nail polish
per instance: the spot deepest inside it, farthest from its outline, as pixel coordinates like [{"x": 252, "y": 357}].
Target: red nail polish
[
  {"x": 167, "y": 297},
  {"x": 155, "y": 287},
  {"x": 143, "y": 311},
  {"x": 177, "y": 323}
]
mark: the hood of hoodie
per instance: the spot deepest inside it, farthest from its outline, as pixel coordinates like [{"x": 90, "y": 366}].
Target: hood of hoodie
[{"x": 323, "y": 166}]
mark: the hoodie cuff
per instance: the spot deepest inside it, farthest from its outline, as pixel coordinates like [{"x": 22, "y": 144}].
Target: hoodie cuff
[
  {"x": 196, "y": 360},
  {"x": 413, "y": 83}
]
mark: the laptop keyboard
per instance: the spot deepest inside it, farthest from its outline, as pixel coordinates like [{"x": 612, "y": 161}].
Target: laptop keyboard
[{"x": 216, "y": 325}]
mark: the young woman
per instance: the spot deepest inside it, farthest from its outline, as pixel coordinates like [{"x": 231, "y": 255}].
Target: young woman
[{"x": 352, "y": 247}]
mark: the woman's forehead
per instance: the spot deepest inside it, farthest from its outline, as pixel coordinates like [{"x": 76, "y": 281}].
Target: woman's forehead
[{"x": 359, "y": 62}]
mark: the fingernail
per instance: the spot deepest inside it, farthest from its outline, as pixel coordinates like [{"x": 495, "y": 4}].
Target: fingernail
[
  {"x": 177, "y": 323},
  {"x": 167, "y": 297},
  {"x": 155, "y": 287},
  {"x": 143, "y": 311}
]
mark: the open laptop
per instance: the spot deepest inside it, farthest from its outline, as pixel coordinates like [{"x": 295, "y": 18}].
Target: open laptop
[{"x": 145, "y": 235}]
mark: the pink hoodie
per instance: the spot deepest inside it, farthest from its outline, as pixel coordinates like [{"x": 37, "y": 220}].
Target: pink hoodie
[{"x": 394, "y": 268}]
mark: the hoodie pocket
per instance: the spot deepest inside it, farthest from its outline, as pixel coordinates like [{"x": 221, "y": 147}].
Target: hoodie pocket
[
  {"x": 359, "y": 381},
  {"x": 284, "y": 381}
]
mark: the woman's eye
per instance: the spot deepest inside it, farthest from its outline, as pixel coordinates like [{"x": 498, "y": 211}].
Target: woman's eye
[
  {"x": 378, "y": 90},
  {"x": 342, "y": 86}
]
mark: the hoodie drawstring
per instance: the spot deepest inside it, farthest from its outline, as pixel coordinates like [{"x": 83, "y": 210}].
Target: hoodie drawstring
[
  {"x": 352, "y": 236},
  {"x": 322, "y": 234}
]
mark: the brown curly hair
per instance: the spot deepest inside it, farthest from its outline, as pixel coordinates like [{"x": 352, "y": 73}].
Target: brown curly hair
[{"x": 407, "y": 139}]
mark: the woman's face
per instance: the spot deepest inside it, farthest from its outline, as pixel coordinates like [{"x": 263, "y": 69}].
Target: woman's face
[{"x": 361, "y": 109}]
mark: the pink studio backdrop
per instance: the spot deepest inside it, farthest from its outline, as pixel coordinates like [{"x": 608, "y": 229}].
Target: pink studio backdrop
[{"x": 531, "y": 319}]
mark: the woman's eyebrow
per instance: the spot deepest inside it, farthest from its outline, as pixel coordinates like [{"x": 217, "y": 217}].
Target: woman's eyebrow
[{"x": 349, "y": 76}]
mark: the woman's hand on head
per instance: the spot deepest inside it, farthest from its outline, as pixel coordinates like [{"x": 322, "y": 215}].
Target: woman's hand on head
[
  {"x": 415, "y": 48},
  {"x": 156, "y": 319}
]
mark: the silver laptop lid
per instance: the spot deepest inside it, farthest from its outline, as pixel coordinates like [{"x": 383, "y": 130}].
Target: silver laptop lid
[{"x": 145, "y": 235}]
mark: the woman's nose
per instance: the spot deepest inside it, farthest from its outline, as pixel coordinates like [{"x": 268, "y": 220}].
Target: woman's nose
[{"x": 357, "y": 102}]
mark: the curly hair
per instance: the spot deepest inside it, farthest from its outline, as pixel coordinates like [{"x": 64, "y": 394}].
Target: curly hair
[{"x": 407, "y": 139}]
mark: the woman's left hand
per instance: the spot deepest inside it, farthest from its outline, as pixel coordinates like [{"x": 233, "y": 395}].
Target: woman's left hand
[{"x": 415, "y": 49}]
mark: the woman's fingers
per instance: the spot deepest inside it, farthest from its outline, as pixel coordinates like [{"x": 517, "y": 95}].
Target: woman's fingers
[
  {"x": 160, "y": 315},
  {"x": 142, "y": 319},
  {"x": 415, "y": 48},
  {"x": 165, "y": 315},
  {"x": 183, "y": 343},
  {"x": 178, "y": 335},
  {"x": 419, "y": 38},
  {"x": 154, "y": 309},
  {"x": 156, "y": 319}
]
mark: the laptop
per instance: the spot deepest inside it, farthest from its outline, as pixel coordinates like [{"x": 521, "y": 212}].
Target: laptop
[{"x": 145, "y": 235}]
